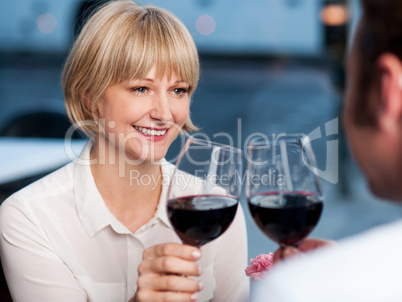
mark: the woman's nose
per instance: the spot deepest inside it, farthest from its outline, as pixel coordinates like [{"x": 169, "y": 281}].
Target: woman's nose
[{"x": 161, "y": 109}]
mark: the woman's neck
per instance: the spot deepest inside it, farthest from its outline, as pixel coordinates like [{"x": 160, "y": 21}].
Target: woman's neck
[{"x": 131, "y": 192}]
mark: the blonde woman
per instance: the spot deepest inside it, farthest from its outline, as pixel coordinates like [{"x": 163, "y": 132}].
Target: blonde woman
[{"x": 97, "y": 229}]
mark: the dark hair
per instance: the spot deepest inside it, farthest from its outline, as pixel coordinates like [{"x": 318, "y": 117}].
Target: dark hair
[{"x": 380, "y": 31}]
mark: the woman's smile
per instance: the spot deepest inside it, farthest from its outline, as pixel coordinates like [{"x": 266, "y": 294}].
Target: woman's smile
[{"x": 153, "y": 134}]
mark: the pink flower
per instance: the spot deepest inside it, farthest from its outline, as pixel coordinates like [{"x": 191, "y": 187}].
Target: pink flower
[{"x": 259, "y": 266}]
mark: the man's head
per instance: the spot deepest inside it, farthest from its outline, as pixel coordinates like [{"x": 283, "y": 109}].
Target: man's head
[{"x": 373, "y": 114}]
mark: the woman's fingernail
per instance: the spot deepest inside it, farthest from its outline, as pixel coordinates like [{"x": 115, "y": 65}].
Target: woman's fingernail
[
  {"x": 200, "y": 285},
  {"x": 194, "y": 297},
  {"x": 199, "y": 270},
  {"x": 197, "y": 254}
]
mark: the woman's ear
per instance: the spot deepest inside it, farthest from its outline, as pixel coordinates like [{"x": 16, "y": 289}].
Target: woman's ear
[
  {"x": 389, "y": 109},
  {"x": 92, "y": 108},
  {"x": 87, "y": 102}
]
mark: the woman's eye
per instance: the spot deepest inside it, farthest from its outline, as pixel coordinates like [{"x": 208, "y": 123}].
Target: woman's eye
[
  {"x": 140, "y": 90},
  {"x": 180, "y": 91}
]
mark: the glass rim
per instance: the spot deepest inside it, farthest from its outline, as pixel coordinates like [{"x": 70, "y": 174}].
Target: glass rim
[
  {"x": 267, "y": 142},
  {"x": 212, "y": 144}
]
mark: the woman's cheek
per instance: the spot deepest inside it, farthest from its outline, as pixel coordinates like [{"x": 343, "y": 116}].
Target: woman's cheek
[{"x": 185, "y": 113}]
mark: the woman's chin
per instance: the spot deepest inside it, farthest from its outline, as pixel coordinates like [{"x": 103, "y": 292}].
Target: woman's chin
[{"x": 150, "y": 157}]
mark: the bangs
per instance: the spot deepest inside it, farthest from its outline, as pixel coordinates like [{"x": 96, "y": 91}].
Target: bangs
[{"x": 154, "y": 40}]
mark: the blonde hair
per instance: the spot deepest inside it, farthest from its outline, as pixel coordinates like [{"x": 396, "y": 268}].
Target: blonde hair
[{"x": 123, "y": 41}]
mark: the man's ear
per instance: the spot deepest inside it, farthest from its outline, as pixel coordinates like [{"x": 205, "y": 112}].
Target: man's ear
[{"x": 389, "y": 109}]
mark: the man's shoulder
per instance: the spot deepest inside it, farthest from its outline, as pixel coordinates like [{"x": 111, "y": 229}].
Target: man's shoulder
[{"x": 348, "y": 272}]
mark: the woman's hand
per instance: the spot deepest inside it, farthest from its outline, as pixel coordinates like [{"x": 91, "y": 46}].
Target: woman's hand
[
  {"x": 306, "y": 245},
  {"x": 162, "y": 274}
]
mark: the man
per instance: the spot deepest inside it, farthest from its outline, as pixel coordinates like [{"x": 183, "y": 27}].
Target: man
[{"x": 367, "y": 267}]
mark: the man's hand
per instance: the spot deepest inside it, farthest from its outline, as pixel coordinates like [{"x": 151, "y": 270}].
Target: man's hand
[{"x": 306, "y": 245}]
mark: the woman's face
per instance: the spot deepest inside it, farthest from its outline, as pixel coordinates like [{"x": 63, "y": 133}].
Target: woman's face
[{"x": 143, "y": 117}]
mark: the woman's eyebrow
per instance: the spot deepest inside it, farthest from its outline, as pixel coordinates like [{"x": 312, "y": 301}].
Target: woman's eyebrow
[
  {"x": 152, "y": 80},
  {"x": 180, "y": 81}
]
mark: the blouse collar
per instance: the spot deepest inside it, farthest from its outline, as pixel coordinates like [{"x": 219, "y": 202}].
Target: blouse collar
[{"x": 91, "y": 208}]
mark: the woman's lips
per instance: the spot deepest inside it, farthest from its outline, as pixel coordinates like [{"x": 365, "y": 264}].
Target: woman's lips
[{"x": 152, "y": 133}]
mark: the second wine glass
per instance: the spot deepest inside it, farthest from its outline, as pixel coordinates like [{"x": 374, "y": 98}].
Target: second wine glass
[
  {"x": 204, "y": 191},
  {"x": 284, "y": 195}
]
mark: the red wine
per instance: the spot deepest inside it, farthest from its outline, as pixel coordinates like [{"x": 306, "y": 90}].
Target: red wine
[
  {"x": 198, "y": 220},
  {"x": 286, "y": 219}
]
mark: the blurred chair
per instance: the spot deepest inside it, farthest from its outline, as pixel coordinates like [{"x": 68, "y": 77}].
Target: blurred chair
[
  {"x": 4, "y": 292},
  {"x": 41, "y": 124}
]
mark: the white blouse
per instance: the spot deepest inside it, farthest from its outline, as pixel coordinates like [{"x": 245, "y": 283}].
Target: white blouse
[{"x": 59, "y": 242}]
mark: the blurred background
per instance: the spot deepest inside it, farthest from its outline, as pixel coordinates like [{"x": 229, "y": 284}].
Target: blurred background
[{"x": 267, "y": 66}]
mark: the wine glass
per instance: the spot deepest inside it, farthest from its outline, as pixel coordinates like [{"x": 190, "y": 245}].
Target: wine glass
[
  {"x": 204, "y": 191},
  {"x": 284, "y": 196}
]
